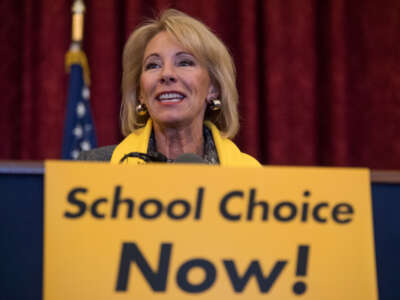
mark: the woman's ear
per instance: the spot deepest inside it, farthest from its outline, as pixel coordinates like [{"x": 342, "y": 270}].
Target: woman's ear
[
  {"x": 212, "y": 93},
  {"x": 140, "y": 98}
]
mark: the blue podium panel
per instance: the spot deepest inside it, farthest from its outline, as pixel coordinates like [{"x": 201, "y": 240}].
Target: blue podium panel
[
  {"x": 386, "y": 209},
  {"x": 21, "y": 236},
  {"x": 21, "y": 231}
]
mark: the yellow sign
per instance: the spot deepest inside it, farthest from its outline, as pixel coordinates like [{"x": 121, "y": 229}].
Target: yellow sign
[{"x": 205, "y": 232}]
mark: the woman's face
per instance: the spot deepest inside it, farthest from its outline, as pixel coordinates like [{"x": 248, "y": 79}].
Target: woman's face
[{"x": 174, "y": 85}]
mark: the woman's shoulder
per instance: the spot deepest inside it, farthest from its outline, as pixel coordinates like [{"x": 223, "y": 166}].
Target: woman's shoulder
[
  {"x": 235, "y": 157},
  {"x": 98, "y": 154}
]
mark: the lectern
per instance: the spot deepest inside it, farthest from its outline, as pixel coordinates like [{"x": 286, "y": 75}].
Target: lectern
[{"x": 21, "y": 185}]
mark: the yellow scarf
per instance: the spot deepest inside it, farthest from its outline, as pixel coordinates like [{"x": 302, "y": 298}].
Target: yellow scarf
[{"x": 138, "y": 141}]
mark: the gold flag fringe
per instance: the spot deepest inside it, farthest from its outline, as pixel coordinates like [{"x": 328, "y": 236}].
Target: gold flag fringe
[{"x": 78, "y": 57}]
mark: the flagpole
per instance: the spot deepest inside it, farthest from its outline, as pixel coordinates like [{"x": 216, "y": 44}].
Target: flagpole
[
  {"x": 75, "y": 54},
  {"x": 78, "y": 18}
]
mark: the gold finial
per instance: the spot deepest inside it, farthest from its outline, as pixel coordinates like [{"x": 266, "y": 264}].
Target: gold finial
[
  {"x": 78, "y": 11},
  {"x": 78, "y": 7}
]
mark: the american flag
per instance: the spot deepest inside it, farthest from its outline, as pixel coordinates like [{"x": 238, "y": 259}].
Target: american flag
[{"x": 79, "y": 133}]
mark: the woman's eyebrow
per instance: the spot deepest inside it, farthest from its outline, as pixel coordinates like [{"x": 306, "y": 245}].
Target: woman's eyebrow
[
  {"x": 151, "y": 55},
  {"x": 183, "y": 53},
  {"x": 156, "y": 55}
]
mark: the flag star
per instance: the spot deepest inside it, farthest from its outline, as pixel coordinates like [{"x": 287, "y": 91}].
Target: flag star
[
  {"x": 85, "y": 93},
  {"x": 77, "y": 131},
  {"x": 80, "y": 109},
  {"x": 85, "y": 145},
  {"x": 88, "y": 127},
  {"x": 74, "y": 154}
]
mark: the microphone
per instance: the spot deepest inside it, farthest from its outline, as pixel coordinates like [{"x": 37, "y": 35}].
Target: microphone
[
  {"x": 190, "y": 158},
  {"x": 157, "y": 157},
  {"x": 186, "y": 158}
]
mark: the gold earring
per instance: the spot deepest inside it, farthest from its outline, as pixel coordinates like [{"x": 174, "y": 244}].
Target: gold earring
[
  {"x": 141, "y": 109},
  {"x": 215, "y": 104}
]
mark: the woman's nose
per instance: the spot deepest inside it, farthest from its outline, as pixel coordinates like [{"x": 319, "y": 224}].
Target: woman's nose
[
  {"x": 166, "y": 79},
  {"x": 168, "y": 75}
]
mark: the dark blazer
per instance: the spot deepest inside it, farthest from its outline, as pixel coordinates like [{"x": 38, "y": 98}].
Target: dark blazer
[{"x": 98, "y": 154}]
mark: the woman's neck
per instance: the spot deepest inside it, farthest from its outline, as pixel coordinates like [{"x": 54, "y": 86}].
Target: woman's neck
[{"x": 175, "y": 141}]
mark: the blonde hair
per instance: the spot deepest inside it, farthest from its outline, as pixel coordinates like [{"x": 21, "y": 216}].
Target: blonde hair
[{"x": 204, "y": 45}]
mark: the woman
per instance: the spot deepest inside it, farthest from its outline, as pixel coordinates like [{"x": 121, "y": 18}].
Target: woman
[{"x": 179, "y": 95}]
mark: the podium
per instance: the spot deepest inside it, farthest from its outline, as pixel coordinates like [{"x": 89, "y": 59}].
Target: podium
[{"x": 21, "y": 184}]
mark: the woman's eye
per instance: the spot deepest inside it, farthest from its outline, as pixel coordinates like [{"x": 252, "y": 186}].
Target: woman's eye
[
  {"x": 151, "y": 66},
  {"x": 186, "y": 62}
]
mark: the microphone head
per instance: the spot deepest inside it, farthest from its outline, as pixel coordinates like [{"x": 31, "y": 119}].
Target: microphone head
[{"x": 190, "y": 158}]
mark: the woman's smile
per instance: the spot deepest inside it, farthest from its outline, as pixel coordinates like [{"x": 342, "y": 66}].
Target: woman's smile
[{"x": 170, "y": 97}]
